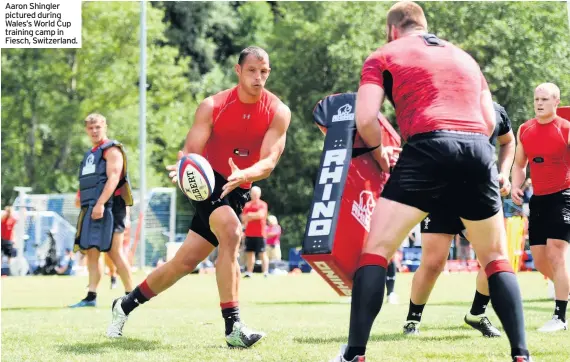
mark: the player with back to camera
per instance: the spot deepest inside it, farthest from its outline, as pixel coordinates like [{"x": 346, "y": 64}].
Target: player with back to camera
[
  {"x": 445, "y": 113},
  {"x": 543, "y": 143},
  {"x": 241, "y": 132},
  {"x": 438, "y": 230}
]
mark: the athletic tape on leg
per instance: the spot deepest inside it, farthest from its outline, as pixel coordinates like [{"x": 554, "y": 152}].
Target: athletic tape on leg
[
  {"x": 498, "y": 266},
  {"x": 373, "y": 259}
]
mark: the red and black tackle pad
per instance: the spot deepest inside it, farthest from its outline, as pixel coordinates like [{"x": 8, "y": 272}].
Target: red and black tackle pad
[{"x": 348, "y": 184}]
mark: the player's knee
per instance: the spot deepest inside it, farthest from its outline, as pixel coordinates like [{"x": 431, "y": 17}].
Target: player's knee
[
  {"x": 93, "y": 256},
  {"x": 229, "y": 237},
  {"x": 555, "y": 253},
  {"x": 183, "y": 265},
  {"x": 541, "y": 265},
  {"x": 184, "y": 262},
  {"x": 434, "y": 266}
]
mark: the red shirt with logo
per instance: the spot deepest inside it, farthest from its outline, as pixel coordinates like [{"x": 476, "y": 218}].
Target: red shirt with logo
[
  {"x": 238, "y": 130},
  {"x": 256, "y": 228},
  {"x": 432, "y": 84},
  {"x": 548, "y": 153}
]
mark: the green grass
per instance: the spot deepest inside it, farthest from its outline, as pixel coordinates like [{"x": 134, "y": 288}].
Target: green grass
[{"x": 303, "y": 317}]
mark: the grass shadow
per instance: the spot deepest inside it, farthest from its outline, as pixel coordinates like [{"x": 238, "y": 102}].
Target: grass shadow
[
  {"x": 537, "y": 300},
  {"x": 539, "y": 309},
  {"x": 10, "y": 309},
  {"x": 458, "y": 327},
  {"x": 124, "y": 344},
  {"x": 387, "y": 337},
  {"x": 448, "y": 304},
  {"x": 308, "y": 302}
]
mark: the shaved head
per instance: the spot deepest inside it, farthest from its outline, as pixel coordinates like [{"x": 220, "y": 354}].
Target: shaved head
[
  {"x": 255, "y": 193},
  {"x": 550, "y": 88},
  {"x": 546, "y": 100}
]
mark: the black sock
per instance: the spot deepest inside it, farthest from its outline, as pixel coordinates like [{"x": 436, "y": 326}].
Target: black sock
[
  {"x": 113, "y": 279},
  {"x": 390, "y": 278},
  {"x": 230, "y": 315},
  {"x": 367, "y": 298},
  {"x": 91, "y": 296},
  {"x": 415, "y": 312},
  {"x": 133, "y": 300},
  {"x": 507, "y": 302},
  {"x": 479, "y": 303},
  {"x": 560, "y": 310}
]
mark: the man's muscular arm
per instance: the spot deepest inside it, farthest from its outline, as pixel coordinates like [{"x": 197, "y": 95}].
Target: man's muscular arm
[
  {"x": 518, "y": 173},
  {"x": 259, "y": 214},
  {"x": 487, "y": 107},
  {"x": 368, "y": 102},
  {"x": 201, "y": 129},
  {"x": 114, "y": 159},
  {"x": 271, "y": 149},
  {"x": 198, "y": 134},
  {"x": 506, "y": 157},
  {"x": 507, "y": 147},
  {"x": 272, "y": 146}
]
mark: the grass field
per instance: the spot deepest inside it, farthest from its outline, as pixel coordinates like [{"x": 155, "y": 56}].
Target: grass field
[{"x": 304, "y": 319}]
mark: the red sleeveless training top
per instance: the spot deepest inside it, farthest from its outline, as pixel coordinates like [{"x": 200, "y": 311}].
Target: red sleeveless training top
[
  {"x": 238, "y": 130},
  {"x": 548, "y": 153}
]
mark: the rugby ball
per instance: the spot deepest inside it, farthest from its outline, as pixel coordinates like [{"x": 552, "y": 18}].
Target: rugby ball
[{"x": 195, "y": 177}]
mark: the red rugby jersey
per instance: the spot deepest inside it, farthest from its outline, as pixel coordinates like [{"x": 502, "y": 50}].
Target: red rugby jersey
[
  {"x": 238, "y": 130},
  {"x": 546, "y": 147},
  {"x": 432, "y": 84},
  {"x": 256, "y": 228}
]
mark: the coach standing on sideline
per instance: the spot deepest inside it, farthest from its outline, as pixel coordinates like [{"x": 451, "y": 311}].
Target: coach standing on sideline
[
  {"x": 543, "y": 141},
  {"x": 254, "y": 217},
  {"x": 445, "y": 113}
]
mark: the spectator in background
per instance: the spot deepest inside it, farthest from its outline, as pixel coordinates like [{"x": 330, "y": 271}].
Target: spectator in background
[
  {"x": 463, "y": 248},
  {"x": 273, "y": 236},
  {"x": 527, "y": 194},
  {"x": 66, "y": 264},
  {"x": 254, "y": 217},
  {"x": 8, "y": 223}
]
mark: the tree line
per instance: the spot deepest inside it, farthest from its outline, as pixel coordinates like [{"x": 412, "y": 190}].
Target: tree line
[{"x": 315, "y": 48}]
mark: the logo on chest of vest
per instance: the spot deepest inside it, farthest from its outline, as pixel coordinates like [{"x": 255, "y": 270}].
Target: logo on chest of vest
[
  {"x": 538, "y": 159},
  {"x": 89, "y": 165},
  {"x": 243, "y": 152}
]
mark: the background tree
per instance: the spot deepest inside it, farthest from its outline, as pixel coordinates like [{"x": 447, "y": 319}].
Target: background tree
[{"x": 315, "y": 48}]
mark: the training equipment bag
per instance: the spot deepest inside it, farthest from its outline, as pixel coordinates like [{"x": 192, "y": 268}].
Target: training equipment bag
[{"x": 349, "y": 182}]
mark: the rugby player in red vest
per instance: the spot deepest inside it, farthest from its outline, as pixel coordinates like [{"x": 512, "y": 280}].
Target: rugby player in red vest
[
  {"x": 543, "y": 143},
  {"x": 241, "y": 131},
  {"x": 445, "y": 113}
]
